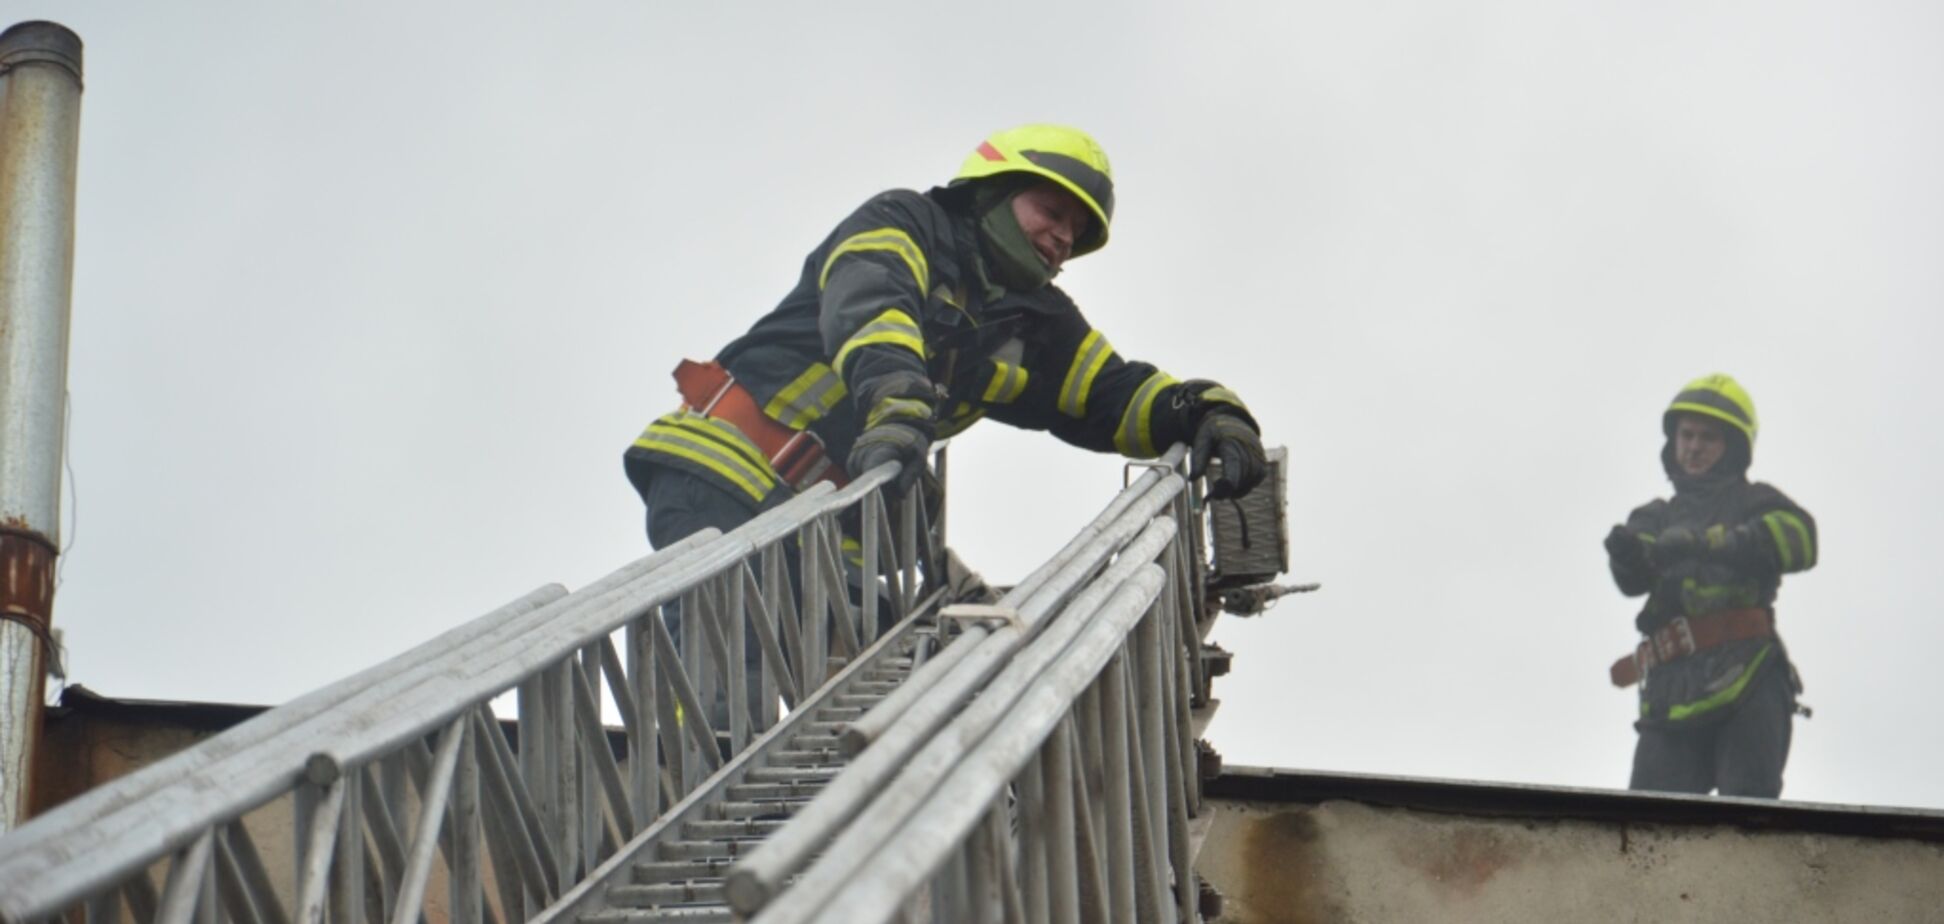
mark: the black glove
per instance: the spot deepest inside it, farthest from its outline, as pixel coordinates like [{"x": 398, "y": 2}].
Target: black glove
[
  {"x": 1672, "y": 546},
  {"x": 1230, "y": 438},
  {"x": 890, "y": 442},
  {"x": 1737, "y": 545},
  {"x": 1626, "y": 549}
]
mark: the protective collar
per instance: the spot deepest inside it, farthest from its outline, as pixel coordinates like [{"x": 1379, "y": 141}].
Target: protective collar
[
  {"x": 1009, "y": 257},
  {"x": 1731, "y": 468}
]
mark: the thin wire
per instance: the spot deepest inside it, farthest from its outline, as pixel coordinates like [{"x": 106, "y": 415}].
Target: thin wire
[
  {"x": 74, "y": 493},
  {"x": 57, "y": 654}
]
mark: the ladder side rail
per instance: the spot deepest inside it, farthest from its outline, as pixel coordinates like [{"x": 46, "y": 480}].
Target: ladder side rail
[
  {"x": 44, "y": 832},
  {"x": 915, "y": 776},
  {"x": 584, "y": 621},
  {"x": 219, "y": 756},
  {"x": 1043, "y": 723},
  {"x": 103, "y": 838},
  {"x": 874, "y": 723},
  {"x": 566, "y": 633},
  {"x": 760, "y": 876},
  {"x": 117, "y": 829},
  {"x": 1114, "y": 774},
  {"x": 41, "y": 831},
  {"x": 114, "y": 831}
]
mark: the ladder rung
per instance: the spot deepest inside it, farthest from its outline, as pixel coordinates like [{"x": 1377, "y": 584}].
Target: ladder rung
[
  {"x": 648, "y": 896},
  {"x": 684, "y": 881},
  {"x": 815, "y": 776},
  {"x": 705, "y": 915},
  {"x": 822, "y": 757},
  {"x": 794, "y": 789},
  {"x": 653, "y": 871},
  {"x": 698, "y": 850},
  {"x": 765, "y": 809},
  {"x": 737, "y": 828}
]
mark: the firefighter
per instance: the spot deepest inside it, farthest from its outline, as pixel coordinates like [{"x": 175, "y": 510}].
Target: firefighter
[
  {"x": 920, "y": 314},
  {"x": 1717, "y": 691}
]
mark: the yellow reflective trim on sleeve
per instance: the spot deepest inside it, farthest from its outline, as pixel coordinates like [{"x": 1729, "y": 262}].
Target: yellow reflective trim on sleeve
[
  {"x": 1728, "y": 695},
  {"x": 1779, "y": 519},
  {"x": 896, "y": 409},
  {"x": 893, "y": 327},
  {"x": 1802, "y": 531},
  {"x": 997, "y": 384},
  {"x": 1008, "y": 382},
  {"x": 1781, "y": 542},
  {"x": 807, "y": 398},
  {"x": 890, "y": 240},
  {"x": 1135, "y": 438},
  {"x": 963, "y": 416},
  {"x": 1093, "y": 354},
  {"x": 1220, "y": 394}
]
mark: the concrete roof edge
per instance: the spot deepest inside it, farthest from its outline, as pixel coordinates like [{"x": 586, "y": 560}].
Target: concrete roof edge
[{"x": 1523, "y": 800}]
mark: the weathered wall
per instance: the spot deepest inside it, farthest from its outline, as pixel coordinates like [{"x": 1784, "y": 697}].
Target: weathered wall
[
  {"x": 92, "y": 740},
  {"x": 84, "y": 747},
  {"x": 1344, "y": 861}
]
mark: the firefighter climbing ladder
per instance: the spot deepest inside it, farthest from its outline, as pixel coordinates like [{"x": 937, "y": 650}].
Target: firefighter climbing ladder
[{"x": 1029, "y": 760}]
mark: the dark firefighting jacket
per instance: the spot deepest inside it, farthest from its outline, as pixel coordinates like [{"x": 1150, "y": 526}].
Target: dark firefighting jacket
[
  {"x": 892, "y": 319},
  {"x": 1707, "y": 685}
]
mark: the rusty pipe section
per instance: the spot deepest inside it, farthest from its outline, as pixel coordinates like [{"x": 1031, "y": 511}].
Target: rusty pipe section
[{"x": 40, "y": 129}]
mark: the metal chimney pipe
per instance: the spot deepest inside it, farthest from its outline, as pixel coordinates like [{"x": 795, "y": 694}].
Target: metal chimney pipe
[{"x": 40, "y": 127}]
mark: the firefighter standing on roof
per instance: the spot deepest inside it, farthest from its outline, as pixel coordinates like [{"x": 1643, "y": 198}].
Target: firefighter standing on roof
[
  {"x": 918, "y": 315},
  {"x": 1717, "y": 691}
]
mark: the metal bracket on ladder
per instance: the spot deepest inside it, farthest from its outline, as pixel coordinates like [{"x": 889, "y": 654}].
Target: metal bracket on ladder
[{"x": 981, "y": 613}]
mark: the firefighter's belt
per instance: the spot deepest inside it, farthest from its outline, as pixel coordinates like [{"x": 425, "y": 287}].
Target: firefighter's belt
[
  {"x": 797, "y": 455},
  {"x": 1683, "y": 636}
]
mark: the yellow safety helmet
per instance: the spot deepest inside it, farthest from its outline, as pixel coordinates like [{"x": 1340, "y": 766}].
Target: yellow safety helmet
[
  {"x": 1067, "y": 156},
  {"x": 1717, "y": 396}
]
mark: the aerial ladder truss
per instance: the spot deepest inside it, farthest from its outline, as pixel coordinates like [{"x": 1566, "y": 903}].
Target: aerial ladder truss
[{"x": 1029, "y": 759}]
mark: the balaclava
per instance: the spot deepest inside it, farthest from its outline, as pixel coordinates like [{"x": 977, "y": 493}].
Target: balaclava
[{"x": 1009, "y": 257}]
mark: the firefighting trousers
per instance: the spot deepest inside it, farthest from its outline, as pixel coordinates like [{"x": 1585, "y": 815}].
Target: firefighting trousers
[
  {"x": 680, "y": 505},
  {"x": 1741, "y": 755}
]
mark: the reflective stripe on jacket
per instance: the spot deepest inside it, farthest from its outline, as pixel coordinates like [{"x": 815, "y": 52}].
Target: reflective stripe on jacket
[{"x": 891, "y": 319}]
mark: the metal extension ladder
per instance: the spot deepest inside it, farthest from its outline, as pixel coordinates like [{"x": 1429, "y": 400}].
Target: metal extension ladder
[
  {"x": 1028, "y": 760},
  {"x": 1050, "y": 734}
]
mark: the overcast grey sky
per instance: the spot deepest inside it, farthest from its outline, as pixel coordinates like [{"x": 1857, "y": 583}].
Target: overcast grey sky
[{"x": 369, "y": 298}]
